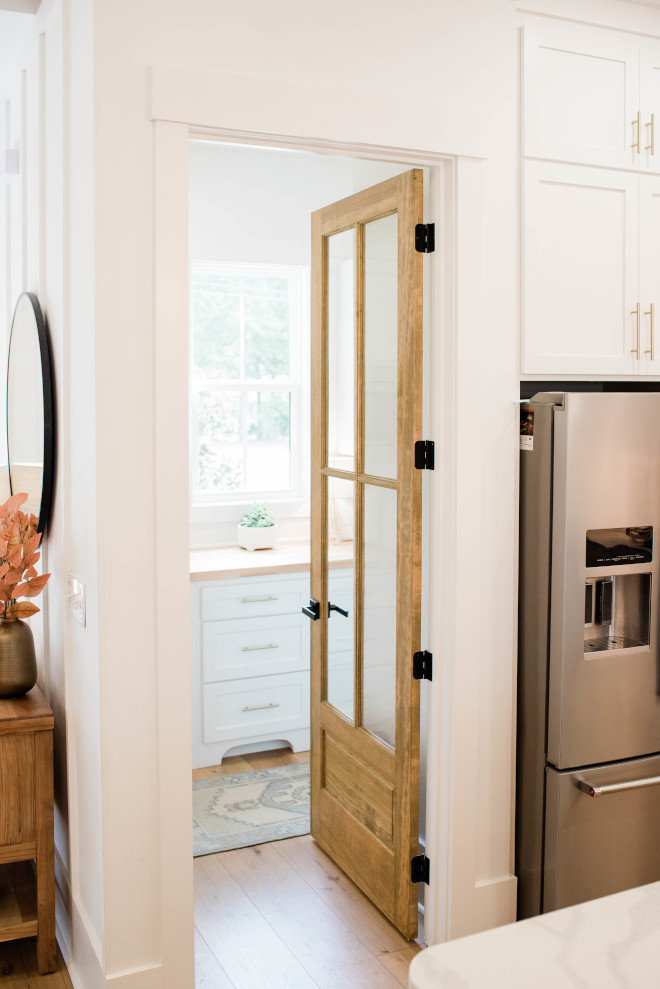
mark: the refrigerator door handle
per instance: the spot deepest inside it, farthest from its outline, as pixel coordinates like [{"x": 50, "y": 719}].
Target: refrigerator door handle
[{"x": 597, "y": 791}]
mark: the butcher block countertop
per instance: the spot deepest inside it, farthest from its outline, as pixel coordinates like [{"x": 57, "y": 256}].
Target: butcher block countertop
[
  {"x": 232, "y": 561},
  {"x": 610, "y": 943}
]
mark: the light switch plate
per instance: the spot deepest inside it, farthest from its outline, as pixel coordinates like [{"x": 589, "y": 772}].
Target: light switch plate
[{"x": 76, "y": 594}]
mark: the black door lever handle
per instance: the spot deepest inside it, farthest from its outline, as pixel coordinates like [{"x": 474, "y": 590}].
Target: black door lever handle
[
  {"x": 313, "y": 611},
  {"x": 335, "y": 607}
]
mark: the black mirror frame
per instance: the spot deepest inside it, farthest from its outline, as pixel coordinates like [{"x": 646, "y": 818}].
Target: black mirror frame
[{"x": 48, "y": 482}]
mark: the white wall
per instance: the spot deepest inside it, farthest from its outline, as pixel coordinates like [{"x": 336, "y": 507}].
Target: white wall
[
  {"x": 47, "y": 218},
  {"x": 428, "y": 76},
  {"x": 253, "y": 205},
  {"x": 432, "y": 77}
]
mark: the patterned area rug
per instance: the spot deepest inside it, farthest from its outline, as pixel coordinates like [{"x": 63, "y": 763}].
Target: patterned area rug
[{"x": 250, "y": 808}]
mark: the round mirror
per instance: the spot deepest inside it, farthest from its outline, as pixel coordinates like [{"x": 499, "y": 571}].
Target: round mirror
[{"x": 30, "y": 409}]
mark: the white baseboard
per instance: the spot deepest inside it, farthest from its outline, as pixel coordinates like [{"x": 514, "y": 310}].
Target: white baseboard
[
  {"x": 494, "y": 904},
  {"x": 72, "y": 928},
  {"x": 143, "y": 978},
  {"x": 85, "y": 968}
]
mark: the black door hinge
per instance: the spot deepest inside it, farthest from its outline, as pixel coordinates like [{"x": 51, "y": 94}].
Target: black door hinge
[
  {"x": 423, "y": 665},
  {"x": 425, "y": 238},
  {"x": 420, "y": 869},
  {"x": 425, "y": 455}
]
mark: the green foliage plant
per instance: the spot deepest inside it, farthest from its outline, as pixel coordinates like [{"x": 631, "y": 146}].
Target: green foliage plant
[{"x": 258, "y": 516}]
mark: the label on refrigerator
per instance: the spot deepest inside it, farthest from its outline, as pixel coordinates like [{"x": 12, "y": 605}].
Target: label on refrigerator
[
  {"x": 527, "y": 429},
  {"x": 619, "y": 547}
]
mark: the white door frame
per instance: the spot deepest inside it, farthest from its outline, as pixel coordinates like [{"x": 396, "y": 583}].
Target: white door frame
[{"x": 452, "y": 806}]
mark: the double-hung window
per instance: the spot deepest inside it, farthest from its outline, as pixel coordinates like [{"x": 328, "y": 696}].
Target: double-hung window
[{"x": 246, "y": 362}]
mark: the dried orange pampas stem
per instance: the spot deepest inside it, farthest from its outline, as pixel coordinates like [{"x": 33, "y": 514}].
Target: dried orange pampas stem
[{"x": 19, "y": 542}]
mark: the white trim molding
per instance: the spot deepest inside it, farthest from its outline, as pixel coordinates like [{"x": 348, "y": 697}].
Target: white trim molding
[{"x": 269, "y": 111}]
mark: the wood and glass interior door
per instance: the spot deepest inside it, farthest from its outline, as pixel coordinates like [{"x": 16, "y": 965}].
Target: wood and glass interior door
[{"x": 366, "y": 538}]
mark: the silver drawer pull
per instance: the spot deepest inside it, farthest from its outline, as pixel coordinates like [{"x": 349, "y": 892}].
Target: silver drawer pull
[
  {"x": 260, "y": 707},
  {"x": 597, "y": 791},
  {"x": 268, "y": 597},
  {"x": 271, "y": 645}
]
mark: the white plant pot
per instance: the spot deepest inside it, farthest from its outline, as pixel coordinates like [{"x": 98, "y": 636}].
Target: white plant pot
[{"x": 253, "y": 537}]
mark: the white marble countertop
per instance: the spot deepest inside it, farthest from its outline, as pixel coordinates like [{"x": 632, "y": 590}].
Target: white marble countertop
[{"x": 610, "y": 943}]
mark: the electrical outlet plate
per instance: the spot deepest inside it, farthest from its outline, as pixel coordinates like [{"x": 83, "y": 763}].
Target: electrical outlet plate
[{"x": 76, "y": 594}]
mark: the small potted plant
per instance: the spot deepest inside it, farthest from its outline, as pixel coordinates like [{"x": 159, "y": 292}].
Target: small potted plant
[
  {"x": 19, "y": 542},
  {"x": 257, "y": 529}
]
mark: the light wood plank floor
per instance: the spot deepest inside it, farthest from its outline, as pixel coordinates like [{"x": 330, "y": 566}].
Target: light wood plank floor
[
  {"x": 283, "y": 916},
  {"x": 19, "y": 969}
]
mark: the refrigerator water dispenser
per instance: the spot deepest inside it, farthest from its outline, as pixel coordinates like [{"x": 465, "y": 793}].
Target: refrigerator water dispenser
[{"x": 617, "y": 612}]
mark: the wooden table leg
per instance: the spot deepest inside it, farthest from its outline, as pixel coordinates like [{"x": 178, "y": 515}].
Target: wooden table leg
[{"x": 46, "y": 945}]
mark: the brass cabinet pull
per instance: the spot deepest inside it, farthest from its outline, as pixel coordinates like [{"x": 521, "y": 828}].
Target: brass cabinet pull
[
  {"x": 635, "y": 312},
  {"x": 649, "y": 313},
  {"x": 651, "y": 147},
  {"x": 267, "y": 597},
  {"x": 260, "y": 707},
  {"x": 271, "y": 645},
  {"x": 638, "y": 121}
]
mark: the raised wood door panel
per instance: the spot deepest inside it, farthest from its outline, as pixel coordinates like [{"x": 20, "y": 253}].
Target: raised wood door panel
[
  {"x": 649, "y": 273},
  {"x": 366, "y": 493},
  {"x": 580, "y": 95},
  {"x": 580, "y": 270},
  {"x": 17, "y": 789}
]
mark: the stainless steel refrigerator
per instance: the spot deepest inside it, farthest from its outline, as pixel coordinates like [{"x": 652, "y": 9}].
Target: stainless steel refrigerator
[{"x": 588, "y": 761}]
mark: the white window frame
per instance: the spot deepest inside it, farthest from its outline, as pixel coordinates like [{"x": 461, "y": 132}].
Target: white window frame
[{"x": 221, "y": 507}]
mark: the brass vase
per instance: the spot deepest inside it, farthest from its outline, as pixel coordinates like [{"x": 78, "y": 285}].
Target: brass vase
[{"x": 18, "y": 662}]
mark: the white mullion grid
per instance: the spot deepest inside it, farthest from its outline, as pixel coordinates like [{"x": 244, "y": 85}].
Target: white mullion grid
[
  {"x": 241, "y": 372},
  {"x": 254, "y": 384},
  {"x": 291, "y": 384}
]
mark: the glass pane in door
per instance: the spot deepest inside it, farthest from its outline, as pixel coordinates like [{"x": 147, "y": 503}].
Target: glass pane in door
[
  {"x": 380, "y": 346},
  {"x": 341, "y": 594},
  {"x": 341, "y": 350},
  {"x": 379, "y": 612}
]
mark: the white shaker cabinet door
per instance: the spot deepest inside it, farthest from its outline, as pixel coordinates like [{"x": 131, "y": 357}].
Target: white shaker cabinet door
[
  {"x": 581, "y": 96},
  {"x": 649, "y": 81},
  {"x": 649, "y": 273},
  {"x": 580, "y": 270}
]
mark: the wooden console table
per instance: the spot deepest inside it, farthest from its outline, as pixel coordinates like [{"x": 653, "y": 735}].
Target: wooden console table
[{"x": 27, "y": 879}]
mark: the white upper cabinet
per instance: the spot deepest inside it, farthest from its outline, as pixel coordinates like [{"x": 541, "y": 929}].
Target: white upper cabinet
[
  {"x": 581, "y": 94},
  {"x": 580, "y": 270},
  {"x": 649, "y": 87},
  {"x": 589, "y": 97},
  {"x": 649, "y": 273}
]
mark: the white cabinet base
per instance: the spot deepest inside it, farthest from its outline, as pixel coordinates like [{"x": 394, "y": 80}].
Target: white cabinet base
[
  {"x": 212, "y": 754},
  {"x": 250, "y": 666}
]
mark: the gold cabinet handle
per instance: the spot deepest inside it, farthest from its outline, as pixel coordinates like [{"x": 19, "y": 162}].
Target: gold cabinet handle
[
  {"x": 637, "y": 121},
  {"x": 649, "y": 313},
  {"x": 651, "y": 147},
  {"x": 265, "y": 597},
  {"x": 260, "y": 707},
  {"x": 271, "y": 645},
  {"x": 636, "y": 312}
]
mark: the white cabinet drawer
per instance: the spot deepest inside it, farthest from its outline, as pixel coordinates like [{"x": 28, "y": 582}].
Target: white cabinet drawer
[
  {"x": 232, "y": 650},
  {"x": 237, "y": 709},
  {"x": 268, "y": 597}
]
